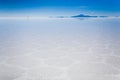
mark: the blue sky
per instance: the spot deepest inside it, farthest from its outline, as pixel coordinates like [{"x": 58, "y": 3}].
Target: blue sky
[{"x": 110, "y": 6}]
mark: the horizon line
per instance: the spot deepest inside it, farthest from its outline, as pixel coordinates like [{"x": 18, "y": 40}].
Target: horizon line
[{"x": 49, "y": 17}]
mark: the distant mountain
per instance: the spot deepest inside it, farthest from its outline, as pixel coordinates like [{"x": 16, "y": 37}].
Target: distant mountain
[
  {"x": 103, "y": 16},
  {"x": 87, "y": 16},
  {"x": 83, "y": 15}
]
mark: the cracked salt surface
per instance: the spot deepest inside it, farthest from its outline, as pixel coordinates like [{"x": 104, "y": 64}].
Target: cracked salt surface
[{"x": 66, "y": 49}]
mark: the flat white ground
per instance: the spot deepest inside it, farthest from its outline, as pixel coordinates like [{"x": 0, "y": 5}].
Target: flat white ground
[{"x": 59, "y": 49}]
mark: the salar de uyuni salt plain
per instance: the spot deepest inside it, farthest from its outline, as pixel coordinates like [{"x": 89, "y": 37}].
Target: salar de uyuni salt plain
[{"x": 59, "y": 49}]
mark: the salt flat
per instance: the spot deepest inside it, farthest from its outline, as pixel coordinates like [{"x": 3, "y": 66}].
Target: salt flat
[{"x": 60, "y": 49}]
